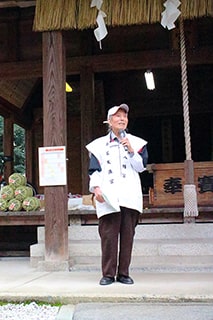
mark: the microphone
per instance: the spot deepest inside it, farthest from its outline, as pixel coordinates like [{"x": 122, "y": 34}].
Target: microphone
[{"x": 122, "y": 134}]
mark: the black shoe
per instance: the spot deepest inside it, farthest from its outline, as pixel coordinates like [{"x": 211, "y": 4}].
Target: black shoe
[
  {"x": 125, "y": 279},
  {"x": 106, "y": 280}
]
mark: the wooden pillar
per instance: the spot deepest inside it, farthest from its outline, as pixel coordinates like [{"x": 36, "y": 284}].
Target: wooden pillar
[
  {"x": 87, "y": 105},
  {"x": 55, "y": 134},
  {"x": 29, "y": 152},
  {"x": 8, "y": 146},
  {"x": 212, "y": 138}
]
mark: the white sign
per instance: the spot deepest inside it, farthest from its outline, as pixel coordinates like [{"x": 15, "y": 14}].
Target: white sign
[{"x": 52, "y": 166}]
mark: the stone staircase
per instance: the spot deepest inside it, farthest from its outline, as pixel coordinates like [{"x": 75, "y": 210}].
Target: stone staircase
[{"x": 156, "y": 247}]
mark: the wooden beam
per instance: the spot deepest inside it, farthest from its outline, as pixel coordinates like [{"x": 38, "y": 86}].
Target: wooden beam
[
  {"x": 4, "y": 112},
  {"x": 13, "y": 43},
  {"x": 8, "y": 139},
  {"x": 55, "y": 134},
  {"x": 111, "y": 62},
  {"x": 29, "y": 153},
  {"x": 19, "y": 3},
  {"x": 7, "y": 110},
  {"x": 21, "y": 70},
  {"x": 151, "y": 215},
  {"x": 87, "y": 96}
]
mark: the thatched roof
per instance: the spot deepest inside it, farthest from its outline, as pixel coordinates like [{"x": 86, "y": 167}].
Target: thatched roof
[{"x": 77, "y": 14}]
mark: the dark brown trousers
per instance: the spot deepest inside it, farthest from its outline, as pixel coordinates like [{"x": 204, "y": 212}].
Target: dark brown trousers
[{"x": 117, "y": 232}]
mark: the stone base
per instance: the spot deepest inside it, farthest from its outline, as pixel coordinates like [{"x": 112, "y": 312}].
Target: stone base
[
  {"x": 53, "y": 266},
  {"x": 165, "y": 245}
]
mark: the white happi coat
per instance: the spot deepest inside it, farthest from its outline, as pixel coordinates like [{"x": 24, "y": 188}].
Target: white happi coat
[{"x": 119, "y": 176}]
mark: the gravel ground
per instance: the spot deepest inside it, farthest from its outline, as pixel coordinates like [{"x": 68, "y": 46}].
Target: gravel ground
[{"x": 30, "y": 311}]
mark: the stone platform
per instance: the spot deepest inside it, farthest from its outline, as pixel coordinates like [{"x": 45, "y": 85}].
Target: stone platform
[{"x": 155, "y": 246}]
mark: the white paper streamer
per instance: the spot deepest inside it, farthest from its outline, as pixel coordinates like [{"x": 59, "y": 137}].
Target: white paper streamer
[
  {"x": 170, "y": 14},
  {"x": 96, "y": 3},
  {"x": 101, "y": 31}
]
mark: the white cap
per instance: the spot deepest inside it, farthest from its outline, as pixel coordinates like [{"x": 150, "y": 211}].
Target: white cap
[{"x": 113, "y": 110}]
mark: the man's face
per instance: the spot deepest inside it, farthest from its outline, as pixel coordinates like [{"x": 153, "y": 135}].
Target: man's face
[{"x": 119, "y": 120}]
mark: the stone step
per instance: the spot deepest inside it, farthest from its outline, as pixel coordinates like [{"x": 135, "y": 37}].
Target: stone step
[
  {"x": 149, "y": 232},
  {"x": 150, "y": 264},
  {"x": 187, "y": 245},
  {"x": 159, "y": 247},
  {"x": 145, "y": 252}
]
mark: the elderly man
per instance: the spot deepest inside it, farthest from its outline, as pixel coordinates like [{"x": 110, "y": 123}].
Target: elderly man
[{"x": 115, "y": 162}]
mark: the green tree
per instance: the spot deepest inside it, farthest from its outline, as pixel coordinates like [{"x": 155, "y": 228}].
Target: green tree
[{"x": 19, "y": 149}]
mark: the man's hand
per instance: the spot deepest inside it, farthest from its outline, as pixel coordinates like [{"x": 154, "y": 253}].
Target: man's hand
[
  {"x": 98, "y": 194},
  {"x": 125, "y": 142}
]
